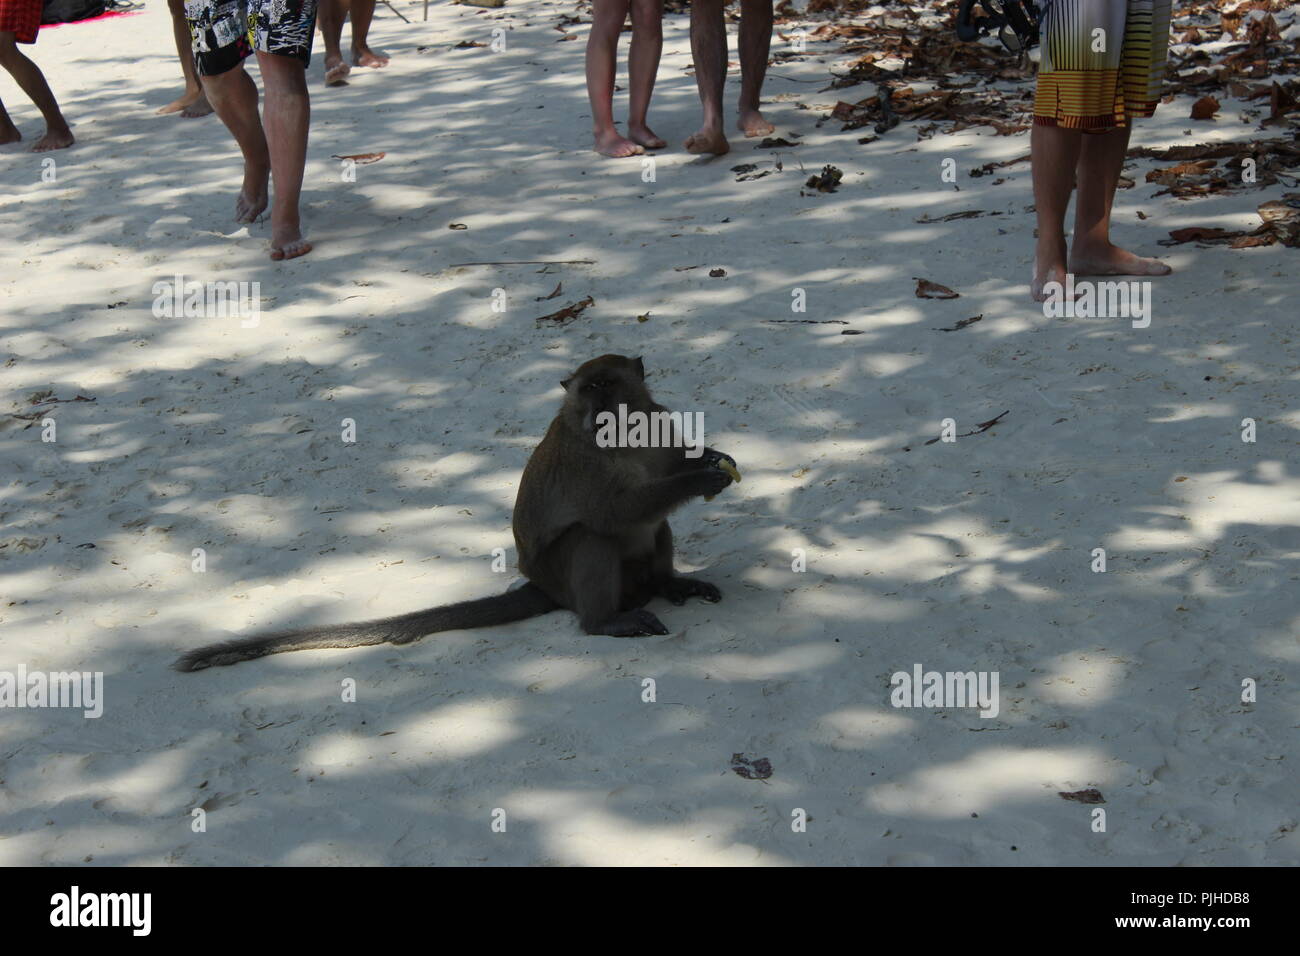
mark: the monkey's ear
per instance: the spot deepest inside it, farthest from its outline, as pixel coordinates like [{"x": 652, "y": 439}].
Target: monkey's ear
[
  {"x": 639, "y": 367},
  {"x": 565, "y": 384}
]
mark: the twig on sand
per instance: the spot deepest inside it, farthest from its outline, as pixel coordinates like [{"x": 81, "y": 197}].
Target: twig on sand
[
  {"x": 402, "y": 15},
  {"x": 981, "y": 427},
  {"x": 527, "y": 262},
  {"x": 567, "y": 314}
]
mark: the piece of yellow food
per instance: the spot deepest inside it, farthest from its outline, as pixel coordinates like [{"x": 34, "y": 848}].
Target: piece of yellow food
[{"x": 729, "y": 468}]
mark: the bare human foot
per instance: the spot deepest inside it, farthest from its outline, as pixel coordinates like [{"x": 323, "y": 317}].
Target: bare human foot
[
  {"x": 185, "y": 101},
  {"x": 610, "y": 143},
  {"x": 1114, "y": 261},
  {"x": 752, "y": 123},
  {"x": 336, "y": 71},
  {"x": 708, "y": 140},
  {"x": 287, "y": 242},
  {"x": 1049, "y": 266},
  {"x": 643, "y": 135},
  {"x": 58, "y": 138},
  {"x": 364, "y": 56},
  {"x": 200, "y": 107},
  {"x": 252, "y": 198}
]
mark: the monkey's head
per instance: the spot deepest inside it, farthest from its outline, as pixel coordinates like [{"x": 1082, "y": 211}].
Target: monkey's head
[{"x": 602, "y": 385}]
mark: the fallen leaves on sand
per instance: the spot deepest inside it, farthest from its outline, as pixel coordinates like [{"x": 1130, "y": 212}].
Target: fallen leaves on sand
[
  {"x": 827, "y": 181},
  {"x": 1280, "y": 222},
  {"x": 1198, "y": 173},
  {"x": 989, "y": 167},
  {"x": 554, "y": 293},
  {"x": 1202, "y": 234},
  {"x": 960, "y": 107},
  {"x": 45, "y": 397},
  {"x": 567, "y": 314},
  {"x": 1246, "y": 52},
  {"x": 961, "y": 324},
  {"x": 777, "y": 142},
  {"x": 717, "y": 273},
  {"x": 756, "y": 769},
  {"x": 1205, "y": 108},
  {"x": 468, "y": 44},
  {"x": 1091, "y": 795},
  {"x": 925, "y": 289},
  {"x": 1171, "y": 174},
  {"x": 457, "y": 225},
  {"x": 363, "y": 159},
  {"x": 748, "y": 171}
]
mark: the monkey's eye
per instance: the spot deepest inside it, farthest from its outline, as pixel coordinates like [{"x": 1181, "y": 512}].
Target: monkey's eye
[{"x": 597, "y": 383}]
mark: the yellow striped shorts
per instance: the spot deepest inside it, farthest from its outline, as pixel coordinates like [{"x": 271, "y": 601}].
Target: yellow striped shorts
[{"x": 1103, "y": 62}]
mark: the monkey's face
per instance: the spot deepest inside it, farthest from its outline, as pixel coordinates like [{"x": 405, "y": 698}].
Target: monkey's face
[{"x": 602, "y": 385}]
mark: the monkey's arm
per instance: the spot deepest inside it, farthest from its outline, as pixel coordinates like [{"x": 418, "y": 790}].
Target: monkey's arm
[{"x": 653, "y": 501}]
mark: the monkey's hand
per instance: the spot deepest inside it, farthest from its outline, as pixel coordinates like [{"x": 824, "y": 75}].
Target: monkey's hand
[
  {"x": 723, "y": 462},
  {"x": 708, "y": 482},
  {"x": 678, "y": 590},
  {"x": 713, "y": 458}
]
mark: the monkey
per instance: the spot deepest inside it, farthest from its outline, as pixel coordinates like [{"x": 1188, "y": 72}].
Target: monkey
[{"x": 590, "y": 526}]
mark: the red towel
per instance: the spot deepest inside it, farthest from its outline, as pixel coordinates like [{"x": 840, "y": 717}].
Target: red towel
[{"x": 22, "y": 18}]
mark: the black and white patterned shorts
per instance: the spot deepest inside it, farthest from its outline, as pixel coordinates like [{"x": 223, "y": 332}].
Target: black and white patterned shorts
[{"x": 225, "y": 32}]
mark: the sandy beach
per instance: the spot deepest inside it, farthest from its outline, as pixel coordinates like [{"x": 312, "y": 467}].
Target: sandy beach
[{"x": 223, "y": 433}]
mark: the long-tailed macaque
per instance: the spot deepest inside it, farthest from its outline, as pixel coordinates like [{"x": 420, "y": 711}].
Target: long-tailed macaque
[{"x": 590, "y": 526}]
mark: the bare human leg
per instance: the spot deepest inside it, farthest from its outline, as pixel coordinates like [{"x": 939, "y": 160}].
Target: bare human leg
[
  {"x": 709, "y": 50},
  {"x": 234, "y": 97},
  {"x": 607, "y": 18},
  {"x": 287, "y": 118},
  {"x": 363, "y": 11},
  {"x": 8, "y": 131},
  {"x": 331, "y": 14},
  {"x": 642, "y": 67},
  {"x": 192, "y": 103},
  {"x": 32, "y": 81},
  {"x": 1054, "y": 151},
  {"x": 1091, "y": 253},
  {"x": 755, "y": 44}
]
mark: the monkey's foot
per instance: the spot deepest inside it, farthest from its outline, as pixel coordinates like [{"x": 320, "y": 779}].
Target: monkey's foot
[
  {"x": 638, "y": 623},
  {"x": 678, "y": 590}
]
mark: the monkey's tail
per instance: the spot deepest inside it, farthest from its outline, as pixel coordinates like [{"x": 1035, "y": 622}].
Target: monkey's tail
[{"x": 514, "y": 605}]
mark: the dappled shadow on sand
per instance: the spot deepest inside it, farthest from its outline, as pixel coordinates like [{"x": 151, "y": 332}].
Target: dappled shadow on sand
[{"x": 973, "y": 555}]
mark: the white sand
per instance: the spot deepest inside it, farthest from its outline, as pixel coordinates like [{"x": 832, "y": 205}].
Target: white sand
[{"x": 965, "y": 556}]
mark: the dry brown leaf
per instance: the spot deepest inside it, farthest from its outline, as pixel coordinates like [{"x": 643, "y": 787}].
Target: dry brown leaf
[
  {"x": 363, "y": 159},
  {"x": 925, "y": 289},
  {"x": 1205, "y": 108}
]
